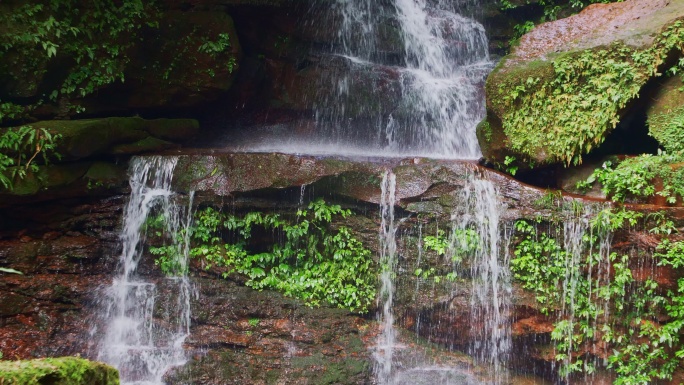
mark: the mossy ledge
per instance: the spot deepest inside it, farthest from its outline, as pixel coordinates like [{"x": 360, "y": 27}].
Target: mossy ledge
[
  {"x": 556, "y": 106},
  {"x": 57, "y": 371}
]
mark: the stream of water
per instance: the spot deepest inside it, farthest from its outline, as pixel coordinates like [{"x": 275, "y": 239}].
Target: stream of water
[
  {"x": 407, "y": 79},
  {"x": 134, "y": 342}
]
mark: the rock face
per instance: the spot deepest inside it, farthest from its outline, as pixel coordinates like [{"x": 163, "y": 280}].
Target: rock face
[
  {"x": 67, "y": 250},
  {"x": 569, "y": 82}
]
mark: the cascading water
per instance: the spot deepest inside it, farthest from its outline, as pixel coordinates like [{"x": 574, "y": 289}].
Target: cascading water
[
  {"x": 407, "y": 79},
  {"x": 139, "y": 348},
  {"x": 587, "y": 262},
  {"x": 479, "y": 233},
  {"x": 388, "y": 248}
]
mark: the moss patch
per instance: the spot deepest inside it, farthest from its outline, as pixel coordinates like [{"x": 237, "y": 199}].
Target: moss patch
[{"x": 57, "y": 371}]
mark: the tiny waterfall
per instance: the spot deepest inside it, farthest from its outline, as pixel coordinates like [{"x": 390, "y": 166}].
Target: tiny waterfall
[
  {"x": 138, "y": 347},
  {"x": 388, "y": 260},
  {"x": 587, "y": 261},
  {"x": 479, "y": 233}
]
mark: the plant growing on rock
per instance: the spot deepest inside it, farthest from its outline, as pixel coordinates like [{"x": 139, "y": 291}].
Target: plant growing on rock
[
  {"x": 307, "y": 256},
  {"x": 558, "y": 110},
  {"x": 640, "y": 322}
]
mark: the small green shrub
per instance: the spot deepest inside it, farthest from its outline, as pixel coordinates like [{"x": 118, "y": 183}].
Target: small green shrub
[
  {"x": 634, "y": 178},
  {"x": 19, "y": 148}
]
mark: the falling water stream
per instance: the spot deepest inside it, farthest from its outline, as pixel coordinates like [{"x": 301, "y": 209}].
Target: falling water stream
[
  {"x": 133, "y": 342},
  {"x": 420, "y": 98},
  {"x": 490, "y": 274},
  {"x": 388, "y": 260}
]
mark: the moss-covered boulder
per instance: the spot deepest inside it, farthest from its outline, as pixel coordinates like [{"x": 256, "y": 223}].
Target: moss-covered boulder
[
  {"x": 569, "y": 82},
  {"x": 57, "y": 371}
]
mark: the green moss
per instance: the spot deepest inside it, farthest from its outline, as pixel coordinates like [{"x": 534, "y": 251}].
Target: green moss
[
  {"x": 57, "y": 371},
  {"x": 560, "y": 109}
]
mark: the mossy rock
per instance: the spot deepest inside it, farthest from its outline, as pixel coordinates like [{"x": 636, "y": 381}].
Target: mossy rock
[
  {"x": 569, "y": 82},
  {"x": 57, "y": 371},
  {"x": 117, "y": 135},
  {"x": 665, "y": 117}
]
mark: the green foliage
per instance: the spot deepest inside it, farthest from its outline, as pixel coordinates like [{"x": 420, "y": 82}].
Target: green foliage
[
  {"x": 561, "y": 110},
  {"x": 40, "y": 34},
  {"x": 509, "y": 162},
  {"x": 11, "y": 271},
  {"x": 64, "y": 370},
  {"x": 634, "y": 178},
  {"x": 460, "y": 243},
  {"x": 668, "y": 129},
  {"x": 85, "y": 46},
  {"x": 438, "y": 243},
  {"x": 308, "y": 257},
  {"x": 646, "y": 346},
  {"x": 19, "y": 148}
]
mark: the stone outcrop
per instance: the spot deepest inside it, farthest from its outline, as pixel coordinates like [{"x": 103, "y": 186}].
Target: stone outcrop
[{"x": 569, "y": 82}]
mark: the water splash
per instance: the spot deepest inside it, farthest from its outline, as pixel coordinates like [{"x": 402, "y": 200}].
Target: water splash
[
  {"x": 134, "y": 343},
  {"x": 388, "y": 249}
]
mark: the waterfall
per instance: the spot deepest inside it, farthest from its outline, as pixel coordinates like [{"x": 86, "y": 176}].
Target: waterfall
[
  {"x": 587, "y": 259},
  {"x": 388, "y": 260},
  {"x": 400, "y": 78},
  {"x": 479, "y": 233},
  {"x": 140, "y": 348}
]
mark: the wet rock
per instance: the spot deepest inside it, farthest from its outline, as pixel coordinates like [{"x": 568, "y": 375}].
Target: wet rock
[
  {"x": 92, "y": 137},
  {"x": 263, "y": 337}
]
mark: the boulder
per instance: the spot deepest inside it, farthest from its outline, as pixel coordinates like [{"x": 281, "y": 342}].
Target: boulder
[{"x": 569, "y": 82}]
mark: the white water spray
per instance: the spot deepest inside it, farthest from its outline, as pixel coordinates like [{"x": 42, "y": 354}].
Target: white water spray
[
  {"x": 490, "y": 275},
  {"x": 139, "y": 348},
  {"x": 388, "y": 260},
  {"x": 407, "y": 79}
]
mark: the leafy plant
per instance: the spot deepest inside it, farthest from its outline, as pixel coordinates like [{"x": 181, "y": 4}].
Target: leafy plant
[
  {"x": 19, "y": 148},
  {"x": 634, "y": 178},
  {"x": 308, "y": 257},
  {"x": 645, "y": 325}
]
